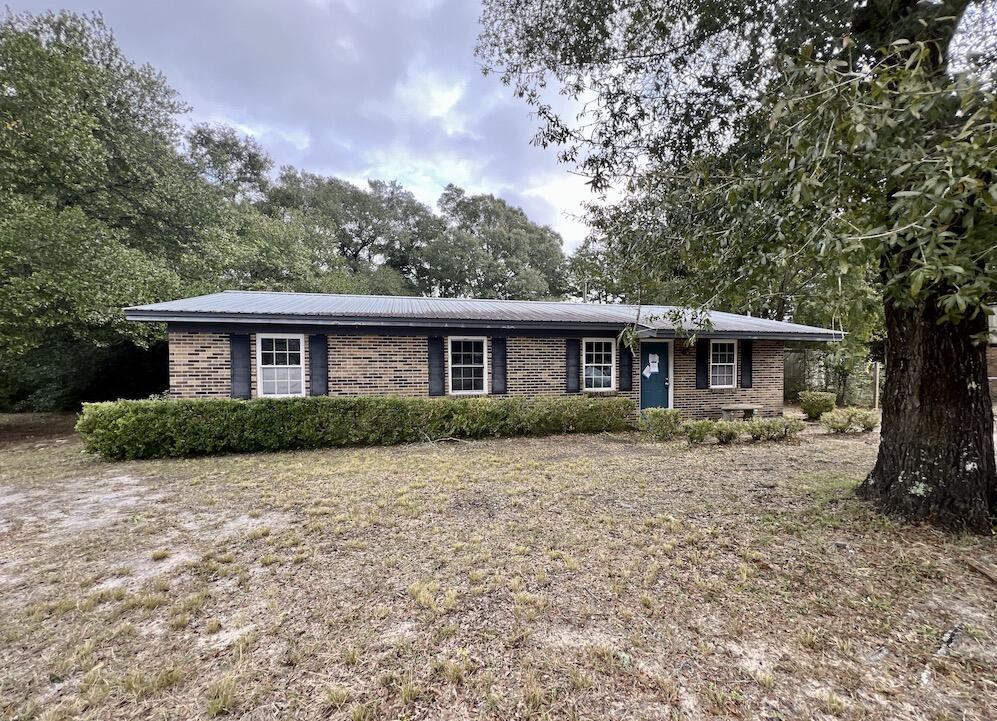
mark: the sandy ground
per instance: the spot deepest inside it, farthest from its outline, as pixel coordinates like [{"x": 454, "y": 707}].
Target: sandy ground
[{"x": 595, "y": 577}]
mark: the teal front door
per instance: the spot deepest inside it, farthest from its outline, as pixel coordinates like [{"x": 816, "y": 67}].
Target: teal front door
[{"x": 654, "y": 380}]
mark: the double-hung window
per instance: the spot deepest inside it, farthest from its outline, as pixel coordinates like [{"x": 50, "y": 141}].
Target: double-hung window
[
  {"x": 599, "y": 364},
  {"x": 281, "y": 365},
  {"x": 468, "y": 360},
  {"x": 722, "y": 363}
]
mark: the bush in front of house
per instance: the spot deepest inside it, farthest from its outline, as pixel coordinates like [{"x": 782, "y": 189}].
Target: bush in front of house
[
  {"x": 816, "y": 403},
  {"x": 726, "y": 432},
  {"x": 662, "y": 424},
  {"x": 187, "y": 427},
  {"x": 850, "y": 420},
  {"x": 697, "y": 432}
]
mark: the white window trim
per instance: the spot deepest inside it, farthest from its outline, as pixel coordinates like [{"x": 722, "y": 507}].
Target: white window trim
[
  {"x": 259, "y": 365},
  {"x": 486, "y": 376},
  {"x": 711, "y": 364},
  {"x": 612, "y": 370}
]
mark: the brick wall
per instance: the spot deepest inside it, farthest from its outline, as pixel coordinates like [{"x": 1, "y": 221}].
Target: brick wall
[
  {"x": 378, "y": 365},
  {"x": 535, "y": 366},
  {"x": 992, "y": 372},
  {"x": 199, "y": 365},
  {"x": 766, "y": 382},
  {"x": 398, "y": 365}
]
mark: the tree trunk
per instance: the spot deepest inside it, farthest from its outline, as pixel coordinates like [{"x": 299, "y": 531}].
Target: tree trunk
[{"x": 936, "y": 455}]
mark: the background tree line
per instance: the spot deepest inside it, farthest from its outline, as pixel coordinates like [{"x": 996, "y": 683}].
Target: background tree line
[{"x": 108, "y": 199}]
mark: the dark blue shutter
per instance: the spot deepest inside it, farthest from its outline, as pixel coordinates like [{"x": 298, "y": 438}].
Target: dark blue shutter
[
  {"x": 436, "y": 380},
  {"x": 703, "y": 363},
  {"x": 239, "y": 383},
  {"x": 498, "y": 366},
  {"x": 625, "y": 381},
  {"x": 318, "y": 364},
  {"x": 745, "y": 363},
  {"x": 572, "y": 359}
]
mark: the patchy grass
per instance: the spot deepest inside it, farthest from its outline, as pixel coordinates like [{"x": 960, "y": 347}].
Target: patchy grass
[{"x": 571, "y": 577}]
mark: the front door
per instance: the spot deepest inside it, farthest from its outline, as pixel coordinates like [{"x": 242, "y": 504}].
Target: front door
[{"x": 654, "y": 380}]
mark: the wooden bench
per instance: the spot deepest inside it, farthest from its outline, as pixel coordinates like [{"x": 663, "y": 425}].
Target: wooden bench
[{"x": 745, "y": 410}]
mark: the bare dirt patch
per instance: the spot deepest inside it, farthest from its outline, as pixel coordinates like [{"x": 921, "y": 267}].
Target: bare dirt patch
[{"x": 599, "y": 577}]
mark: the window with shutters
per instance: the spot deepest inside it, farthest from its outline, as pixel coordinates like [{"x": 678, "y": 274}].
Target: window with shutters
[
  {"x": 723, "y": 354},
  {"x": 599, "y": 364},
  {"x": 467, "y": 364},
  {"x": 280, "y": 371}
]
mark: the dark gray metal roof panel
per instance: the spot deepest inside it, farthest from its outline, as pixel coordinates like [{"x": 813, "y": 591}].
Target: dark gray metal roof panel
[{"x": 267, "y": 307}]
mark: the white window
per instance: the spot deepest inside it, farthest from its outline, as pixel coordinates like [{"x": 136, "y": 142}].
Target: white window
[
  {"x": 280, "y": 370},
  {"x": 468, "y": 366},
  {"x": 722, "y": 363},
  {"x": 599, "y": 364}
]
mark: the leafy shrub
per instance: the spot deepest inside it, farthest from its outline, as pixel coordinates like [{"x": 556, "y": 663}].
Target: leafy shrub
[
  {"x": 784, "y": 428},
  {"x": 850, "y": 420},
  {"x": 698, "y": 431},
  {"x": 816, "y": 403},
  {"x": 185, "y": 427},
  {"x": 728, "y": 431},
  {"x": 760, "y": 429},
  {"x": 662, "y": 424}
]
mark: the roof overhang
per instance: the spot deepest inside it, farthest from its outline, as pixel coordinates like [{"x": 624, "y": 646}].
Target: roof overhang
[
  {"x": 257, "y": 319},
  {"x": 355, "y": 322},
  {"x": 825, "y": 336}
]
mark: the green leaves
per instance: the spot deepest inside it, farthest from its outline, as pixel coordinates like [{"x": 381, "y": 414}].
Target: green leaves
[
  {"x": 172, "y": 428},
  {"x": 105, "y": 203}
]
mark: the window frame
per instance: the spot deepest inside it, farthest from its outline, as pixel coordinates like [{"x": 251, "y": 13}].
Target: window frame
[
  {"x": 733, "y": 365},
  {"x": 486, "y": 374},
  {"x": 612, "y": 365},
  {"x": 259, "y": 364}
]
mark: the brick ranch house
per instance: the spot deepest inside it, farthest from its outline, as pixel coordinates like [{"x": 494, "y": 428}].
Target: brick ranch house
[{"x": 245, "y": 344}]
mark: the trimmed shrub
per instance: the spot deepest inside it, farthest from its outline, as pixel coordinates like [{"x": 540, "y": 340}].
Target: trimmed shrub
[
  {"x": 727, "y": 432},
  {"x": 662, "y": 424},
  {"x": 698, "y": 431},
  {"x": 850, "y": 420},
  {"x": 186, "y": 427},
  {"x": 760, "y": 429},
  {"x": 816, "y": 403},
  {"x": 776, "y": 429}
]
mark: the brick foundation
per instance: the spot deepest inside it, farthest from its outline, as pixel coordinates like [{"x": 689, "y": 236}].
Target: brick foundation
[{"x": 361, "y": 364}]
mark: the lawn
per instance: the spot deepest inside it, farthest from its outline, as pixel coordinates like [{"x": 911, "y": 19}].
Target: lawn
[{"x": 589, "y": 577}]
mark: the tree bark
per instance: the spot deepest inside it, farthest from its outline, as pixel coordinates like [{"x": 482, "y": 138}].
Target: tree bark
[{"x": 936, "y": 454}]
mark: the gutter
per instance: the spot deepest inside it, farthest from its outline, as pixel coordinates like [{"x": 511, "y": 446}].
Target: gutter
[
  {"x": 244, "y": 319},
  {"x": 825, "y": 336},
  {"x": 359, "y": 321}
]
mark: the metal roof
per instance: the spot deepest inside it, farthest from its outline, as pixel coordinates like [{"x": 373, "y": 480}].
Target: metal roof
[{"x": 236, "y": 306}]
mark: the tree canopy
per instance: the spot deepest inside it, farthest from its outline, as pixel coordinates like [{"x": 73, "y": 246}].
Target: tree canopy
[
  {"x": 110, "y": 197},
  {"x": 826, "y": 161}
]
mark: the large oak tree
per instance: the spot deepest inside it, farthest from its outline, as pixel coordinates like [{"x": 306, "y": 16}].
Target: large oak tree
[{"x": 830, "y": 142}]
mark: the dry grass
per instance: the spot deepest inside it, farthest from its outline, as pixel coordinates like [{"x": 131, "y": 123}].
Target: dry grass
[{"x": 573, "y": 577}]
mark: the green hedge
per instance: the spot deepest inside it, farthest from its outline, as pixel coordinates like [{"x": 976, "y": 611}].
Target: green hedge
[
  {"x": 759, "y": 429},
  {"x": 168, "y": 428},
  {"x": 850, "y": 420},
  {"x": 814, "y": 404},
  {"x": 662, "y": 424}
]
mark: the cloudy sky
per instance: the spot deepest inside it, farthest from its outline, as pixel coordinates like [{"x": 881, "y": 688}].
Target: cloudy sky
[{"x": 360, "y": 89}]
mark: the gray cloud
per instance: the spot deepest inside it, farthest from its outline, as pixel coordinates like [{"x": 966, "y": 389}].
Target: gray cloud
[{"x": 357, "y": 88}]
